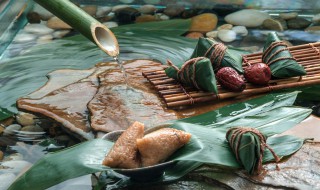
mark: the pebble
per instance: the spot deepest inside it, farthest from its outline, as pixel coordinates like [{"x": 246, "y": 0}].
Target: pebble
[
  {"x": 127, "y": 15},
  {"x": 1, "y": 155},
  {"x": 313, "y": 29},
  {"x": 24, "y": 37},
  {"x": 162, "y": 16},
  {"x": 15, "y": 166},
  {"x": 33, "y": 17},
  {"x": 111, "y": 24},
  {"x": 32, "y": 128},
  {"x": 103, "y": 11},
  {"x": 147, "y": 9},
  {"x": 316, "y": 19},
  {"x": 298, "y": 23},
  {"x": 126, "y": 1},
  {"x": 90, "y": 9},
  {"x": 272, "y": 24},
  {"x": 60, "y": 33},
  {"x": 146, "y": 18},
  {"x": 25, "y": 118},
  {"x": 38, "y": 29},
  {"x": 212, "y": 34},
  {"x": 119, "y": 7},
  {"x": 44, "y": 13},
  {"x": 225, "y": 27},
  {"x": 57, "y": 23},
  {"x": 1, "y": 129},
  {"x": 282, "y": 22},
  {"x": 173, "y": 10},
  {"x": 6, "y": 122},
  {"x": 287, "y": 16},
  {"x": 203, "y": 23},
  {"x": 227, "y": 35},
  {"x": 240, "y": 30},
  {"x": 6, "y": 180},
  {"x": 152, "y": 1},
  {"x": 11, "y": 128},
  {"x": 247, "y": 17},
  {"x": 194, "y": 35}
]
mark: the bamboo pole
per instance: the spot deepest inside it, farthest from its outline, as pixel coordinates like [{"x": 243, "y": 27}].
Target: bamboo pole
[{"x": 84, "y": 23}]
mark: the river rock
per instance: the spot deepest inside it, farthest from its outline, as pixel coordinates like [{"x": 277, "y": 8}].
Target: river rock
[
  {"x": 247, "y": 17},
  {"x": 103, "y": 11},
  {"x": 313, "y": 29},
  {"x": 316, "y": 19},
  {"x": 212, "y": 34},
  {"x": 25, "y": 118},
  {"x": 38, "y": 29},
  {"x": 126, "y": 1},
  {"x": 173, "y": 10},
  {"x": 90, "y": 9},
  {"x": 127, "y": 15},
  {"x": 57, "y": 23},
  {"x": 240, "y": 30},
  {"x": 227, "y": 35},
  {"x": 272, "y": 24},
  {"x": 111, "y": 24},
  {"x": 24, "y": 38},
  {"x": 146, "y": 18},
  {"x": 203, "y": 23},
  {"x": 119, "y": 7},
  {"x": 225, "y": 27},
  {"x": 60, "y": 33},
  {"x": 194, "y": 35},
  {"x": 1, "y": 155},
  {"x": 1, "y": 129},
  {"x": 152, "y": 1},
  {"x": 33, "y": 17},
  {"x": 298, "y": 23},
  {"x": 162, "y": 16},
  {"x": 32, "y": 128},
  {"x": 15, "y": 166},
  {"x": 11, "y": 129},
  {"x": 6, "y": 180},
  {"x": 44, "y": 13},
  {"x": 287, "y": 16},
  {"x": 147, "y": 9}
]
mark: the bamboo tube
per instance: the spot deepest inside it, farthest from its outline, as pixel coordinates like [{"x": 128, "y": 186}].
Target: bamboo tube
[{"x": 84, "y": 23}]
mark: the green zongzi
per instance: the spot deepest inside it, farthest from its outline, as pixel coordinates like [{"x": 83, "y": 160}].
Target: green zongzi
[
  {"x": 196, "y": 72},
  {"x": 219, "y": 54},
  {"x": 278, "y": 57},
  {"x": 248, "y": 145}
]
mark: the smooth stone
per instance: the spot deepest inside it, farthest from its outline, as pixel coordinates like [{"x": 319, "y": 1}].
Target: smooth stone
[
  {"x": 225, "y": 27},
  {"x": 126, "y": 1},
  {"x": 103, "y": 11},
  {"x": 111, "y": 24},
  {"x": 1, "y": 129},
  {"x": 227, "y": 35},
  {"x": 147, "y": 9},
  {"x": 173, "y": 10},
  {"x": 6, "y": 141},
  {"x": 188, "y": 13},
  {"x": 6, "y": 180},
  {"x": 162, "y": 16},
  {"x": 316, "y": 19},
  {"x": 24, "y": 37},
  {"x": 127, "y": 15},
  {"x": 212, "y": 34},
  {"x": 60, "y": 33},
  {"x": 287, "y": 16},
  {"x": 1, "y": 155},
  {"x": 272, "y": 24},
  {"x": 194, "y": 35},
  {"x": 119, "y": 7},
  {"x": 313, "y": 29},
  {"x": 7, "y": 122},
  {"x": 32, "y": 128},
  {"x": 44, "y": 13},
  {"x": 298, "y": 23},
  {"x": 152, "y": 1},
  {"x": 90, "y": 9},
  {"x": 25, "y": 118},
  {"x": 14, "y": 157},
  {"x": 247, "y": 17},
  {"x": 15, "y": 166},
  {"x": 57, "y": 23},
  {"x": 203, "y": 23},
  {"x": 282, "y": 22},
  {"x": 33, "y": 17},
  {"x": 11, "y": 128},
  {"x": 146, "y": 18},
  {"x": 38, "y": 29},
  {"x": 240, "y": 30}
]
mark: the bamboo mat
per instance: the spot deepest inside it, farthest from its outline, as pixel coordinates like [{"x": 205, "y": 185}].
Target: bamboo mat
[{"x": 175, "y": 95}]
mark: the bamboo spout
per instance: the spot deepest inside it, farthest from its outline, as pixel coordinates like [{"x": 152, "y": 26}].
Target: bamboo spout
[{"x": 84, "y": 23}]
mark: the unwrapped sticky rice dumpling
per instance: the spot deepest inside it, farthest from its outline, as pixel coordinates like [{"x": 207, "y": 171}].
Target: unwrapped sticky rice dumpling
[
  {"x": 157, "y": 146},
  {"x": 124, "y": 153}
]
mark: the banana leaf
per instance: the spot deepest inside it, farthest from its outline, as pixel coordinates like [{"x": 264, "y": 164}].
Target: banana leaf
[
  {"x": 232, "y": 58},
  {"x": 198, "y": 74},
  {"x": 207, "y": 145},
  {"x": 282, "y": 68}
]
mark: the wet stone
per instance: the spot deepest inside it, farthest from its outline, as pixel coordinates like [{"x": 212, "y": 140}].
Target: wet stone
[
  {"x": 32, "y": 128},
  {"x": 173, "y": 10},
  {"x": 287, "y": 16},
  {"x": 272, "y": 24},
  {"x": 57, "y": 23},
  {"x": 127, "y": 15},
  {"x": 298, "y": 23},
  {"x": 103, "y": 11},
  {"x": 225, "y": 27},
  {"x": 33, "y": 17},
  {"x": 194, "y": 35},
  {"x": 313, "y": 29},
  {"x": 146, "y": 18},
  {"x": 25, "y": 118},
  {"x": 212, "y": 34},
  {"x": 90, "y": 9},
  {"x": 6, "y": 141},
  {"x": 1, "y": 155},
  {"x": 204, "y": 23},
  {"x": 1, "y": 129},
  {"x": 240, "y": 30},
  {"x": 147, "y": 9}
]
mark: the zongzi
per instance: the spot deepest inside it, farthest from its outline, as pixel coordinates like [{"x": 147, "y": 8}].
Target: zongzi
[
  {"x": 219, "y": 54},
  {"x": 277, "y": 56},
  {"x": 196, "y": 72}
]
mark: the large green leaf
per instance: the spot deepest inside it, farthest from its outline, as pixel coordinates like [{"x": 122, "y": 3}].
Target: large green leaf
[{"x": 207, "y": 145}]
